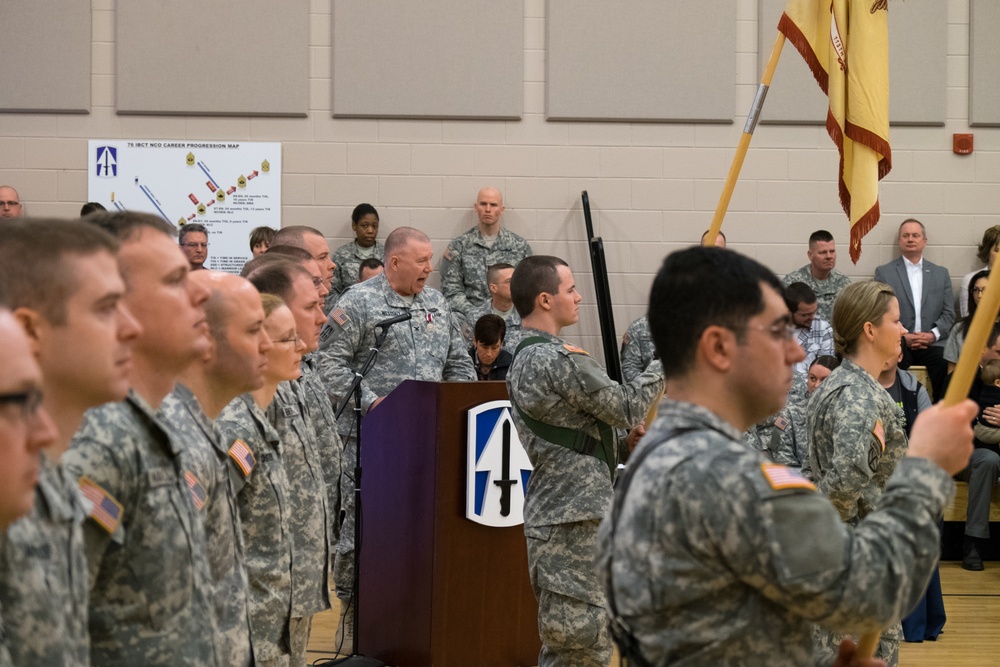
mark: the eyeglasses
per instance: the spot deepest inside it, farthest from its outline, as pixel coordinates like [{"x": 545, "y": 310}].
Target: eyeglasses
[
  {"x": 195, "y": 245},
  {"x": 978, "y": 290},
  {"x": 781, "y": 331},
  {"x": 296, "y": 340},
  {"x": 9, "y": 204},
  {"x": 27, "y": 401}
]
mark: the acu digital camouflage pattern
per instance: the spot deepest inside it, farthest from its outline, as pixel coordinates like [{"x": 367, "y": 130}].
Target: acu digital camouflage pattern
[
  {"x": 348, "y": 258},
  {"x": 568, "y": 492},
  {"x": 205, "y": 457},
  {"x": 465, "y": 262},
  {"x": 857, "y": 437},
  {"x": 316, "y": 402},
  {"x": 638, "y": 349},
  {"x": 789, "y": 441},
  {"x": 43, "y": 577},
  {"x": 713, "y": 563},
  {"x": 150, "y": 601},
  {"x": 307, "y": 501},
  {"x": 826, "y": 290},
  {"x": 263, "y": 505}
]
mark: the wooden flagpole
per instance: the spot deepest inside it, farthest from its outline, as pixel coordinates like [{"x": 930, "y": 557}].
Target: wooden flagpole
[{"x": 741, "y": 149}]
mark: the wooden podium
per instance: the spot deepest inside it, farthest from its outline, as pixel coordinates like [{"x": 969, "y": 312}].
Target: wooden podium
[{"x": 436, "y": 588}]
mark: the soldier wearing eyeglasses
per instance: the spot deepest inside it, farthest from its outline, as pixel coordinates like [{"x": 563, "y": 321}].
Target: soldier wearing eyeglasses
[
  {"x": 10, "y": 203},
  {"x": 193, "y": 240}
]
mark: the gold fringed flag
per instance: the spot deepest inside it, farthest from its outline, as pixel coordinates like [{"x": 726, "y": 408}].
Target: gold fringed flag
[{"x": 846, "y": 45}]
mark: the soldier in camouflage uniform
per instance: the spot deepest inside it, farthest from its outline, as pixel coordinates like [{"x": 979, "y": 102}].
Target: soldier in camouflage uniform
[
  {"x": 151, "y": 588},
  {"x": 348, "y": 257},
  {"x": 820, "y": 273},
  {"x": 498, "y": 278},
  {"x": 637, "y": 348},
  {"x": 310, "y": 463},
  {"x": 788, "y": 443},
  {"x": 856, "y": 432},
  {"x": 62, "y": 279},
  {"x": 463, "y": 270},
  {"x": 712, "y": 556},
  {"x": 235, "y": 366},
  {"x": 571, "y": 418},
  {"x": 427, "y": 347}
]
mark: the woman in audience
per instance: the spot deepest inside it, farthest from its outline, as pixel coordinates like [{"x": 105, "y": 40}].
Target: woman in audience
[
  {"x": 260, "y": 240},
  {"x": 348, "y": 257},
  {"x": 262, "y": 494},
  {"x": 975, "y": 286},
  {"x": 988, "y": 249}
]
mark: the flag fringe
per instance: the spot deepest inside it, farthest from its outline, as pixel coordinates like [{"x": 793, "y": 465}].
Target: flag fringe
[
  {"x": 864, "y": 225},
  {"x": 787, "y": 27}
]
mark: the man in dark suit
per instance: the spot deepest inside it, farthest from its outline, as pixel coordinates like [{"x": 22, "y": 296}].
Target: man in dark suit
[{"x": 926, "y": 304}]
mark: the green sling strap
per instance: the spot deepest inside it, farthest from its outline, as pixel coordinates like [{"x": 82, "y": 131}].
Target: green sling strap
[{"x": 605, "y": 449}]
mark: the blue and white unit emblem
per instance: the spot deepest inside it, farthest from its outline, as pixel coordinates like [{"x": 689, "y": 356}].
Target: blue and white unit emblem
[{"x": 498, "y": 467}]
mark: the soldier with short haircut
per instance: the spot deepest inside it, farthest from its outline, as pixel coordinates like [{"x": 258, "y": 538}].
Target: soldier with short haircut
[
  {"x": 61, "y": 279},
  {"x": 151, "y": 588},
  {"x": 499, "y": 303},
  {"x": 350, "y": 256},
  {"x": 820, "y": 273},
  {"x": 573, "y": 420}
]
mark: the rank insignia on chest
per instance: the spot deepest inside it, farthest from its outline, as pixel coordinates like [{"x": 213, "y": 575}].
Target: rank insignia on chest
[
  {"x": 783, "y": 477},
  {"x": 198, "y": 494},
  {"x": 289, "y": 411},
  {"x": 243, "y": 457},
  {"x": 100, "y": 505}
]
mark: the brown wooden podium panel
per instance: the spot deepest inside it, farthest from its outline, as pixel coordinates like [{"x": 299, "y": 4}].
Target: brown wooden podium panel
[{"x": 436, "y": 588}]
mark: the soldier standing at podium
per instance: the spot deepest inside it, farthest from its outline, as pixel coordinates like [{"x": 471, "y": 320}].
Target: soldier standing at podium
[
  {"x": 428, "y": 346},
  {"x": 571, "y": 418}
]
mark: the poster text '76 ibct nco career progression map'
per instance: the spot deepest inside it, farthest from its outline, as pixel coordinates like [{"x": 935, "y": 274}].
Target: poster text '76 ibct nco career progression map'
[{"x": 230, "y": 187}]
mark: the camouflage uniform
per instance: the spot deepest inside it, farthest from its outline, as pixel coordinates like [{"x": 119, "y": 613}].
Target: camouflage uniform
[
  {"x": 826, "y": 290},
  {"x": 718, "y": 560},
  {"x": 309, "y": 521},
  {"x": 316, "y": 402},
  {"x": 637, "y": 348},
  {"x": 227, "y": 562},
  {"x": 463, "y": 269},
  {"x": 5, "y": 659},
  {"x": 43, "y": 577},
  {"x": 263, "y": 505},
  {"x": 427, "y": 347},
  {"x": 568, "y": 491},
  {"x": 348, "y": 258},
  {"x": 511, "y": 319},
  {"x": 151, "y": 588},
  {"x": 856, "y": 439},
  {"x": 789, "y": 443},
  {"x": 760, "y": 435}
]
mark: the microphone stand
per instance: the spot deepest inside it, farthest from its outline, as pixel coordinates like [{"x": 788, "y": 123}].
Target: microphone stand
[{"x": 355, "y": 659}]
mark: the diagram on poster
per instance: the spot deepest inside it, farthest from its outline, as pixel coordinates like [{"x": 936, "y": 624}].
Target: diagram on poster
[{"x": 229, "y": 187}]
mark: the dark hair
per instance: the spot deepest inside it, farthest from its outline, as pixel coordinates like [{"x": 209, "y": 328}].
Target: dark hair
[
  {"x": 369, "y": 263},
  {"x": 493, "y": 270},
  {"x": 967, "y": 320},
  {"x": 91, "y": 207},
  {"x": 798, "y": 293},
  {"x": 820, "y": 236},
  {"x": 994, "y": 334},
  {"x": 263, "y": 235},
  {"x": 490, "y": 329},
  {"x": 533, "y": 276},
  {"x": 700, "y": 287},
  {"x": 705, "y": 233},
  {"x": 826, "y": 361},
  {"x": 123, "y": 225},
  {"x": 361, "y": 210},
  {"x": 277, "y": 277},
  {"x": 194, "y": 227},
  {"x": 991, "y": 237},
  {"x": 292, "y": 252},
  {"x": 34, "y": 272}
]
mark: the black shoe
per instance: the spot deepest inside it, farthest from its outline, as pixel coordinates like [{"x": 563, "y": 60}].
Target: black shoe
[{"x": 971, "y": 559}]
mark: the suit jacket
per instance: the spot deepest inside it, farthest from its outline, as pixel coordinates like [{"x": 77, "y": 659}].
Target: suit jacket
[{"x": 937, "y": 305}]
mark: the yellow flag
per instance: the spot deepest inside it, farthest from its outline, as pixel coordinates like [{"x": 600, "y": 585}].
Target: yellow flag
[{"x": 846, "y": 45}]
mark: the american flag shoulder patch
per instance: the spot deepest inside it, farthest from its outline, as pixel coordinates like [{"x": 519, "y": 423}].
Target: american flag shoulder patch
[
  {"x": 783, "y": 477},
  {"x": 243, "y": 457},
  {"x": 100, "y": 505},
  {"x": 339, "y": 316},
  {"x": 198, "y": 494},
  {"x": 781, "y": 423}
]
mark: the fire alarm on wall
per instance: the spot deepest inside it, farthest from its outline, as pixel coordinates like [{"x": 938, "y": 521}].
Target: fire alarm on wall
[{"x": 962, "y": 144}]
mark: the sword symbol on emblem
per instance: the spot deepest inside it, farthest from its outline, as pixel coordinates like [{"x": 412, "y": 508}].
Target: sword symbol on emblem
[{"x": 506, "y": 481}]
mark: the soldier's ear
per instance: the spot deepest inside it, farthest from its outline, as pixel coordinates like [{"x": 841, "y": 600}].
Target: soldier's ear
[
  {"x": 34, "y": 324},
  {"x": 543, "y": 301}
]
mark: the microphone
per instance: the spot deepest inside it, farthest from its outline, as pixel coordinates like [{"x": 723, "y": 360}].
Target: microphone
[{"x": 385, "y": 324}]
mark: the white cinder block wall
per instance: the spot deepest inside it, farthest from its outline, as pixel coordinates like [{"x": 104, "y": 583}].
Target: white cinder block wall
[{"x": 653, "y": 187}]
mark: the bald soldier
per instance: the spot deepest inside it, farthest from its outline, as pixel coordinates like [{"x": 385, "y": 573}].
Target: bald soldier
[
  {"x": 61, "y": 279},
  {"x": 712, "y": 555},
  {"x": 233, "y": 365},
  {"x": 151, "y": 588},
  {"x": 10, "y": 203},
  {"x": 463, "y": 270}
]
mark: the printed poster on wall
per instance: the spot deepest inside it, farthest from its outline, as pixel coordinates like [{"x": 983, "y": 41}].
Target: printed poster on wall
[{"x": 230, "y": 187}]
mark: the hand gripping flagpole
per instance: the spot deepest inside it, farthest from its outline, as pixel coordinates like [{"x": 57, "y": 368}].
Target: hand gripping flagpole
[
  {"x": 958, "y": 388},
  {"x": 741, "y": 149}
]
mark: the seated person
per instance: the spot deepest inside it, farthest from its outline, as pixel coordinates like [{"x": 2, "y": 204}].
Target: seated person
[
  {"x": 260, "y": 240},
  {"x": 989, "y": 396},
  {"x": 349, "y": 257},
  {"x": 489, "y": 358},
  {"x": 956, "y": 337},
  {"x": 369, "y": 268}
]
